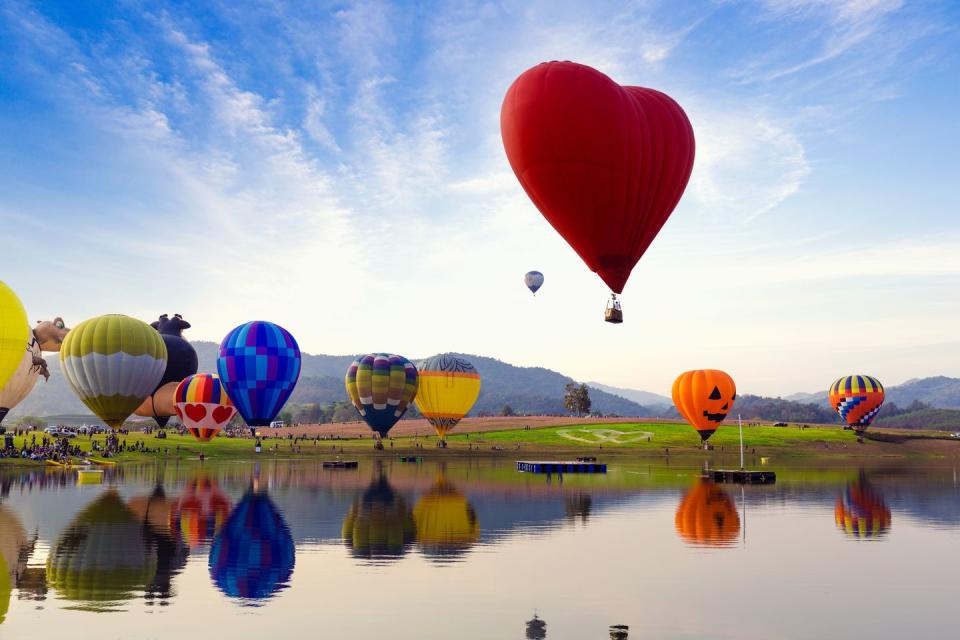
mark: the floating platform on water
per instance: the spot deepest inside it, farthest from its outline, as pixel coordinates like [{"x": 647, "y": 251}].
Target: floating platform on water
[
  {"x": 411, "y": 458},
  {"x": 340, "y": 464},
  {"x": 561, "y": 466},
  {"x": 741, "y": 476}
]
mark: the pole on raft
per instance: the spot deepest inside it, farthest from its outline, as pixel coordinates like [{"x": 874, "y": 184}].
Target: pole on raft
[{"x": 740, "y": 420}]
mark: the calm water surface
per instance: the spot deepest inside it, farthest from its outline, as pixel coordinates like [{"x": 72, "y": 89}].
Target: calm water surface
[{"x": 473, "y": 549}]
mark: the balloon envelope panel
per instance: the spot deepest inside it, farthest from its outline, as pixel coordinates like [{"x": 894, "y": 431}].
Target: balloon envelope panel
[
  {"x": 259, "y": 365},
  {"x": 112, "y": 363}
]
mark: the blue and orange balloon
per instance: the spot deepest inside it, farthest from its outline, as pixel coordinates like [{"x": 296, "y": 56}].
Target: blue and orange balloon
[
  {"x": 381, "y": 387},
  {"x": 857, "y": 399},
  {"x": 259, "y": 365}
]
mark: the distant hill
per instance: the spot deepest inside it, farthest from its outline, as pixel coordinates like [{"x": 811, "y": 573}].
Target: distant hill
[
  {"x": 532, "y": 390},
  {"x": 939, "y": 419},
  {"x": 940, "y": 392},
  {"x": 781, "y": 410},
  {"x": 654, "y": 401}
]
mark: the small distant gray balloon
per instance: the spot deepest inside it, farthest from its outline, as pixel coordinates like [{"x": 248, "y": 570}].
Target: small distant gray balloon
[{"x": 533, "y": 280}]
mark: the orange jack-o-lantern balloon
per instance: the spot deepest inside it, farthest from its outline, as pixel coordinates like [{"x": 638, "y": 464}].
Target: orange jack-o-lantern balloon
[
  {"x": 704, "y": 398},
  {"x": 707, "y": 516}
]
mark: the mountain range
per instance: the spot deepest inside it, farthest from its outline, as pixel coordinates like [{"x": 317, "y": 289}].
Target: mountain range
[{"x": 533, "y": 390}]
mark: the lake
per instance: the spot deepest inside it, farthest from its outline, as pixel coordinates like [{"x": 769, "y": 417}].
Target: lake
[{"x": 474, "y": 549}]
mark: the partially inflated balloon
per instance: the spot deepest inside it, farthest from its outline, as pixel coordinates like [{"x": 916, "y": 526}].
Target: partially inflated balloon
[
  {"x": 448, "y": 387},
  {"x": 259, "y": 365},
  {"x": 381, "y": 387},
  {"x": 14, "y": 332},
  {"x": 857, "y": 399},
  {"x": 704, "y": 398},
  {"x": 23, "y": 379},
  {"x": 112, "y": 363},
  {"x": 605, "y": 164},
  {"x": 181, "y": 362},
  {"x": 203, "y": 406},
  {"x": 707, "y": 516},
  {"x": 533, "y": 280}
]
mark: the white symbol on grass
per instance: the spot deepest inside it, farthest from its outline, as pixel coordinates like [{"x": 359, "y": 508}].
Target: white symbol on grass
[{"x": 612, "y": 436}]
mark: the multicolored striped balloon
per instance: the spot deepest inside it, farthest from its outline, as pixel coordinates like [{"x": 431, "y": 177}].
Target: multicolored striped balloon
[
  {"x": 259, "y": 365},
  {"x": 203, "y": 406},
  {"x": 857, "y": 399},
  {"x": 381, "y": 387},
  {"x": 112, "y": 363},
  {"x": 448, "y": 388}
]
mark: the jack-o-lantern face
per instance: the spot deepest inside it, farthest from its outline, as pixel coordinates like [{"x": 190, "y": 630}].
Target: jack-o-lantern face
[{"x": 704, "y": 398}]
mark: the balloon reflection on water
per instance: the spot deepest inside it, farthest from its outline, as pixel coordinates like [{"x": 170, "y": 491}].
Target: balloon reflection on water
[
  {"x": 379, "y": 525},
  {"x": 253, "y": 555},
  {"x": 104, "y": 557},
  {"x": 707, "y": 516},
  {"x": 860, "y": 510},
  {"x": 200, "y": 512},
  {"x": 14, "y": 548},
  {"x": 446, "y": 523}
]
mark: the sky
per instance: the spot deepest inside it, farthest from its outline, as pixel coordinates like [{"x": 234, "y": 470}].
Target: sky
[{"x": 337, "y": 168}]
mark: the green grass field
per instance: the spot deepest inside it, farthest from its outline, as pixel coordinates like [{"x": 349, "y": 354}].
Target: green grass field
[
  {"x": 621, "y": 438},
  {"x": 640, "y": 436}
]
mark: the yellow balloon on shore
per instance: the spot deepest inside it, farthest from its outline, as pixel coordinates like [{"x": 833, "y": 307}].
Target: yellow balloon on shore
[
  {"x": 449, "y": 386},
  {"x": 14, "y": 331},
  {"x": 112, "y": 363},
  {"x": 21, "y": 382}
]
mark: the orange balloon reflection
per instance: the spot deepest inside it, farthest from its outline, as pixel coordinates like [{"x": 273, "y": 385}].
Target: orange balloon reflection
[{"x": 707, "y": 516}]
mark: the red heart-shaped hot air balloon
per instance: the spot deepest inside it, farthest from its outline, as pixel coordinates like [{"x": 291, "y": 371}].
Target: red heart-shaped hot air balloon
[{"x": 605, "y": 164}]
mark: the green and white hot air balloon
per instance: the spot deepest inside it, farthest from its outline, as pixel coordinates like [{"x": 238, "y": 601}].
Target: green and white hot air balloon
[{"x": 112, "y": 363}]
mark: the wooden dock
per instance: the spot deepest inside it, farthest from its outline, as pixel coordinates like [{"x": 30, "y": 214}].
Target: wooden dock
[
  {"x": 340, "y": 464},
  {"x": 741, "y": 476},
  {"x": 562, "y": 466}
]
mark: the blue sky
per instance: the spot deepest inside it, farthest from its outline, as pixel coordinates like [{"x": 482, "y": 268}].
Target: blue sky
[{"x": 337, "y": 168}]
